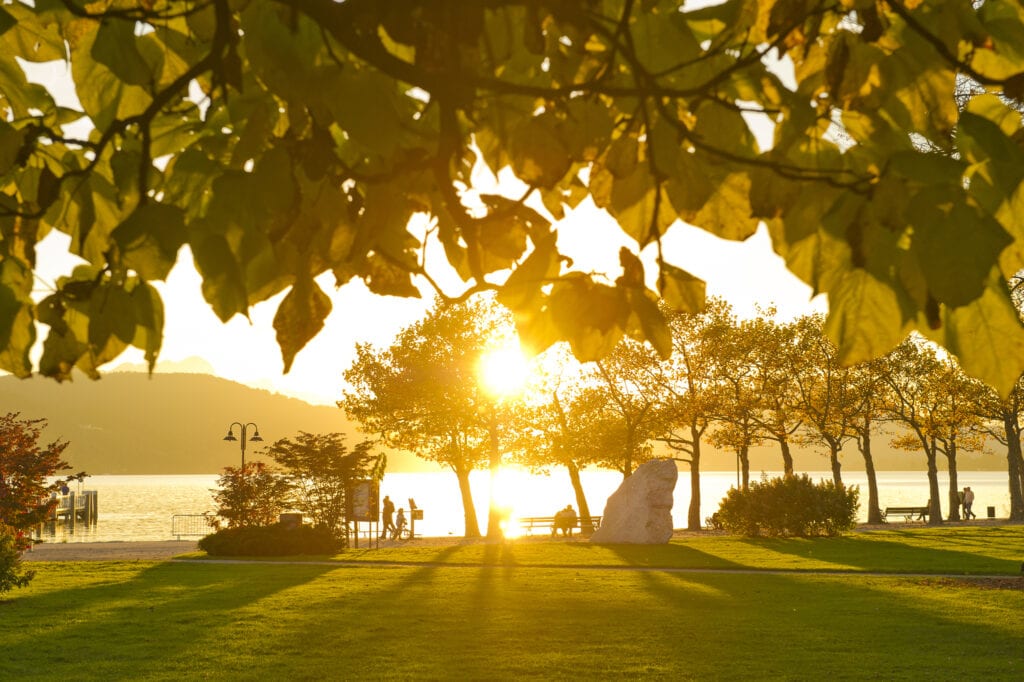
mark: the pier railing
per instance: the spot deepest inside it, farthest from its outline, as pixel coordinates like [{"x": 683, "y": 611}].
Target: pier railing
[{"x": 191, "y": 525}]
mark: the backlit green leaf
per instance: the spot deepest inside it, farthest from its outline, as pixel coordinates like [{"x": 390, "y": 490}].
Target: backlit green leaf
[
  {"x": 150, "y": 238},
  {"x": 681, "y": 290},
  {"x": 955, "y": 246},
  {"x": 299, "y": 318},
  {"x": 17, "y": 327},
  {"x": 652, "y": 324},
  {"x": 115, "y": 48},
  {"x": 149, "y": 321},
  {"x": 986, "y": 335},
  {"x": 537, "y": 153},
  {"x": 865, "y": 319}
]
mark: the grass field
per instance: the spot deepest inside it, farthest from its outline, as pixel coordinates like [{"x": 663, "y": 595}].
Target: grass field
[{"x": 541, "y": 610}]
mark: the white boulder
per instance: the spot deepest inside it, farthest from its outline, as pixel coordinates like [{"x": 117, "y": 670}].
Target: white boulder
[{"x": 640, "y": 511}]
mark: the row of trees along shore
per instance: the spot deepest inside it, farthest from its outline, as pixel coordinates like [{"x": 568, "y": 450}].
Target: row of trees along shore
[{"x": 730, "y": 383}]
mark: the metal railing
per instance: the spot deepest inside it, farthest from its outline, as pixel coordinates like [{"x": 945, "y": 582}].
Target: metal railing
[{"x": 196, "y": 525}]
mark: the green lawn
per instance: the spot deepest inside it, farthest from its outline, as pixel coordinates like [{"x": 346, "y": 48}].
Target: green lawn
[{"x": 541, "y": 611}]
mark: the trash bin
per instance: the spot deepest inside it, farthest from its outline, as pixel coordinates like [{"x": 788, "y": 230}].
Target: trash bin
[{"x": 991, "y": 512}]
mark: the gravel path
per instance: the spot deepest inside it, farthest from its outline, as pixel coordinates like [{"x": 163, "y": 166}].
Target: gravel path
[
  {"x": 109, "y": 551},
  {"x": 167, "y": 549}
]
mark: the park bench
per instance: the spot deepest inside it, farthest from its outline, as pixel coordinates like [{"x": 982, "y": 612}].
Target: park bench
[
  {"x": 528, "y": 523},
  {"x": 908, "y": 513}
]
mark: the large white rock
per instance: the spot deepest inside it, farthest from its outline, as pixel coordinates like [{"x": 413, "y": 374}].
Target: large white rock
[{"x": 640, "y": 511}]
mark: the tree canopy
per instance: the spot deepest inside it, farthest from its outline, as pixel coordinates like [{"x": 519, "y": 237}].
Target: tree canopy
[{"x": 879, "y": 140}]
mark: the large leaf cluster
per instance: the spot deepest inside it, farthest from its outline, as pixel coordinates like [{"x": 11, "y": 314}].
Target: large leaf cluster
[{"x": 281, "y": 140}]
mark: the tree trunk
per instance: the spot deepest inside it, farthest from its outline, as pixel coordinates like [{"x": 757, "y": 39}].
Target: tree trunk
[
  {"x": 833, "y": 458},
  {"x": 1020, "y": 473},
  {"x": 744, "y": 455},
  {"x": 873, "y": 510},
  {"x": 495, "y": 515},
  {"x": 954, "y": 485},
  {"x": 581, "y": 498},
  {"x": 693, "y": 513},
  {"x": 472, "y": 527},
  {"x": 787, "y": 457},
  {"x": 934, "y": 506},
  {"x": 1013, "y": 467}
]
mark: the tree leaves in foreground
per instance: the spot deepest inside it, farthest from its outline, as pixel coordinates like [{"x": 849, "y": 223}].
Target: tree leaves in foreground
[{"x": 284, "y": 139}]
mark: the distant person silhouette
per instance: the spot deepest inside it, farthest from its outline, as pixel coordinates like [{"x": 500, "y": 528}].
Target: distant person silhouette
[
  {"x": 565, "y": 521},
  {"x": 968, "y": 502},
  {"x": 386, "y": 513},
  {"x": 64, "y": 489},
  {"x": 399, "y": 524}
]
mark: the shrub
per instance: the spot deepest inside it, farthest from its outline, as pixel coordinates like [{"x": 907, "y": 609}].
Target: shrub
[
  {"x": 251, "y": 496},
  {"x": 785, "y": 507},
  {"x": 12, "y": 574},
  {"x": 275, "y": 540}
]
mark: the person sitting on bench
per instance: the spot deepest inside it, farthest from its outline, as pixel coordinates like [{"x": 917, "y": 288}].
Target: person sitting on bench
[{"x": 565, "y": 521}]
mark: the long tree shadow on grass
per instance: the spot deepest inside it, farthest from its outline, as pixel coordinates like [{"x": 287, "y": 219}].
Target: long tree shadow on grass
[
  {"x": 145, "y": 616},
  {"x": 863, "y": 552},
  {"x": 508, "y": 621}
]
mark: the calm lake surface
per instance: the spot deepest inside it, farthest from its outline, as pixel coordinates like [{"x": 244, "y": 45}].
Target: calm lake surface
[{"x": 140, "y": 507}]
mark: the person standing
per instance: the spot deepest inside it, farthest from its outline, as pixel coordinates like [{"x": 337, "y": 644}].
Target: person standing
[
  {"x": 399, "y": 525},
  {"x": 968, "y": 501},
  {"x": 387, "y": 512}
]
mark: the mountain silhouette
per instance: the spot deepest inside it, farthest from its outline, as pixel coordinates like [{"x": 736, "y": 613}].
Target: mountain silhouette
[{"x": 167, "y": 423}]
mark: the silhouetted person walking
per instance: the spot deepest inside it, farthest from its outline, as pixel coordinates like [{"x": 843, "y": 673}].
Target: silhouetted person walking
[
  {"x": 387, "y": 512},
  {"x": 968, "y": 501}
]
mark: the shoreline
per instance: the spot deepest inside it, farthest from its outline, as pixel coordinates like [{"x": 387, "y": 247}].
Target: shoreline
[{"x": 162, "y": 550}]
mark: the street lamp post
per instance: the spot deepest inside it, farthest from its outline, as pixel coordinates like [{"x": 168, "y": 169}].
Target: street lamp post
[{"x": 255, "y": 438}]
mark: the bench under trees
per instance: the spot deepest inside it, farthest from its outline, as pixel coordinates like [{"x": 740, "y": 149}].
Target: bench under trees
[
  {"x": 528, "y": 523},
  {"x": 908, "y": 513}
]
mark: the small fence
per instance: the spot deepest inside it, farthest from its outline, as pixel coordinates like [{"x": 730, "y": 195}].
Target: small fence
[{"x": 191, "y": 525}]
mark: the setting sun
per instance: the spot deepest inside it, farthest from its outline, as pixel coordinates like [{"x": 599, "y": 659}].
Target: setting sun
[{"x": 503, "y": 371}]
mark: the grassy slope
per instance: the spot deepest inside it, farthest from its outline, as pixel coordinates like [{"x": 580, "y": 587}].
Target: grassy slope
[{"x": 427, "y": 621}]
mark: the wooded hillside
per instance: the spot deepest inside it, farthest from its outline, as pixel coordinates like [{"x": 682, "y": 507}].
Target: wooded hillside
[{"x": 130, "y": 423}]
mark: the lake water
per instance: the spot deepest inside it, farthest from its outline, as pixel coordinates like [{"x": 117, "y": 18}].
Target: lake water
[{"x": 141, "y": 507}]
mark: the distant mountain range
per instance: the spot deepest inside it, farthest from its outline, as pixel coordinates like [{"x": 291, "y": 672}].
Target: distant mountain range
[
  {"x": 131, "y": 423},
  {"x": 175, "y": 423}
]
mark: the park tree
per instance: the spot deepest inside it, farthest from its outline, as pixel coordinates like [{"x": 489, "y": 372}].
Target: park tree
[
  {"x": 27, "y": 471},
  {"x": 938, "y": 404},
  {"x": 627, "y": 378},
  {"x": 559, "y": 415},
  {"x": 1002, "y": 421},
  {"x": 869, "y": 384},
  {"x": 285, "y": 140},
  {"x": 774, "y": 362},
  {"x": 252, "y": 495},
  {"x": 909, "y": 404},
  {"x": 320, "y": 470},
  {"x": 29, "y": 475},
  {"x": 827, "y": 396},
  {"x": 423, "y": 393},
  {"x": 736, "y": 400},
  {"x": 958, "y": 428},
  {"x": 687, "y": 381}
]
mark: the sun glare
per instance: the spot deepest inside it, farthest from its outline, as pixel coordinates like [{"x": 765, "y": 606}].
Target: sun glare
[
  {"x": 509, "y": 486},
  {"x": 503, "y": 371}
]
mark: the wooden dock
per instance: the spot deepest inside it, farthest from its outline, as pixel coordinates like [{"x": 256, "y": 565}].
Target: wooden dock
[{"x": 75, "y": 508}]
